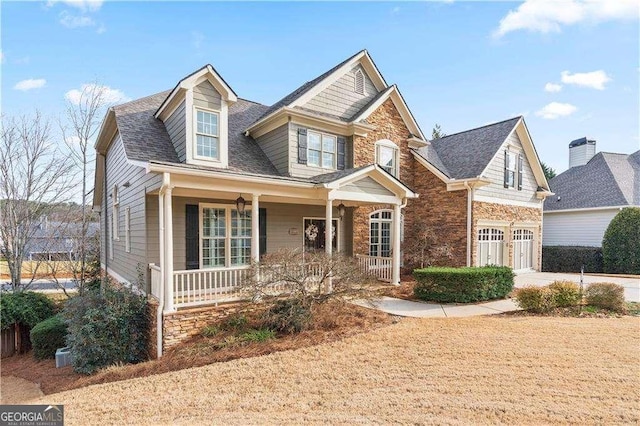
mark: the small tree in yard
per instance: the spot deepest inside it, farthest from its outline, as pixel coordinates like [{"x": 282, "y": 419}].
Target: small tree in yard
[
  {"x": 621, "y": 243},
  {"x": 291, "y": 283},
  {"x": 424, "y": 249}
]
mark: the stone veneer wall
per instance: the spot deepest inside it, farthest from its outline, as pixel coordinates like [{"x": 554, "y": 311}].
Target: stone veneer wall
[
  {"x": 513, "y": 215},
  {"x": 186, "y": 323},
  {"x": 389, "y": 125},
  {"x": 152, "y": 309}
]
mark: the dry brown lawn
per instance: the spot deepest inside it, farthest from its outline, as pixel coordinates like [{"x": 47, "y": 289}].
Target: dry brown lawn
[
  {"x": 513, "y": 370},
  {"x": 14, "y": 390}
]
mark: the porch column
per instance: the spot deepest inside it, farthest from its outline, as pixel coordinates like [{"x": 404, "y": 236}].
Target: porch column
[
  {"x": 328, "y": 225},
  {"x": 161, "y": 243},
  {"x": 395, "y": 250},
  {"x": 168, "y": 248},
  {"x": 255, "y": 228}
]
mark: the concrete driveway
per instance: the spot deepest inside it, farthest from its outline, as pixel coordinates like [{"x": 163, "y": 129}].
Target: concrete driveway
[{"x": 631, "y": 285}]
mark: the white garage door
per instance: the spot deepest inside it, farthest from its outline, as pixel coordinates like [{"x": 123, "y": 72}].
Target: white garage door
[
  {"x": 522, "y": 249},
  {"x": 490, "y": 246}
]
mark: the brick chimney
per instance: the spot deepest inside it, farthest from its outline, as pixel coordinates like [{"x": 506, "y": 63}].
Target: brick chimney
[{"x": 581, "y": 151}]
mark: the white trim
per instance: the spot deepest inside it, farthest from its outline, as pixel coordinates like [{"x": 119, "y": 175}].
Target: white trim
[
  {"x": 386, "y": 143},
  {"x": 321, "y": 151},
  {"x": 589, "y": 209},
  {"x": 493, "y": 223},
  {"x": 127, "y": 229},
  {"x": 218, "y": 136},
  {"x": 485, "y": 199},
  {"x": 433, "y": 169},
  {"x": 229, "y": 208}
]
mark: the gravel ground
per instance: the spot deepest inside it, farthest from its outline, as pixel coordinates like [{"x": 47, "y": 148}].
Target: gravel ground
[{"x": 513, "y": 370}]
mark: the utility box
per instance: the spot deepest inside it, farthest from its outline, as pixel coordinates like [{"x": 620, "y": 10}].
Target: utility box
[{"x": 63, "y": 357}]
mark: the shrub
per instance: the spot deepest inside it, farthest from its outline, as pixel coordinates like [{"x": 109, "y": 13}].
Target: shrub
[
  {"x": 259, "y": 335},
  {"x": 606, "y": 295},
  {"x": 535, "y": 299},
  {"x": 287, "y": 316},
  {"x": 571, "y": 259},
  {"x": 565, "y": 293},
  {"x": 108, "y": 328},
  {"x": 234, "y": 323},
  {"x": 621, "y": 243},
  {"x": 26, "y": 307},
  {"x": 210, "y": 331},
  {"x": 47, "y": 336},
  {"x": 463, "y": 285}
]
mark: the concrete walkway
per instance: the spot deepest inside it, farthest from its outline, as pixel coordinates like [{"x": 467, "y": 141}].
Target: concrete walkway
[{"x": 408, "y": 308}]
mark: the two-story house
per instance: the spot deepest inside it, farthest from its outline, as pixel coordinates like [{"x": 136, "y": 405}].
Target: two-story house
[{"x": 194, "y": 183}]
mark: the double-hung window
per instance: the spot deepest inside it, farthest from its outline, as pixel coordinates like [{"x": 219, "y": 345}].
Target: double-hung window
[
  {"x": 226, "y": 236},
  {"x": 207, "y": 134},
  {"x": 321, "y": 151},
  {"x": 240, "y": 237},
  {"x": 387, "y": 156},
  {"x": 511, "y": 162}
]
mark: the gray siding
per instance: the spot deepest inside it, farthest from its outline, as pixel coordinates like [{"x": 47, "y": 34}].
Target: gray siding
[
  {"x": 302, "y": 170},
  {"x": 206, "y": 96},
  {"x": 275, "y": 145},
  {"x": 367, "y": 186},
  {"x": 340, "y": 99},
  {"x": 118, "y": 172},
  {"x": 581, "y": 228},
  {"x": 176, "y": 127},
  {"x": 495, "y": 172}
]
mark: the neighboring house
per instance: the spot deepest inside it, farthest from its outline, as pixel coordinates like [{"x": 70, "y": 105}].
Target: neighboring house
[
  {"x": 54, "y": 240},
  {"x": 197, "y": 182},
  {"x": 589, "y": 194}
]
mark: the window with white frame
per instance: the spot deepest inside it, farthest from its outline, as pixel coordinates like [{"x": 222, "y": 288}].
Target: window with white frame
[
  {"x": 109, "y": 240},
  {"x": 207, "y": 134},
  {"x": 511, "y": 164},
  {"x": 380, "y": 223},
  {"x": 115, "y": 214},
  {"x": 127, "y": 230},
  {"x": 358, "y": 84},
  {"x": 387, "y": 156},
  {"x": 225, "y": 236},
  {"x": 321, "y": 150}
]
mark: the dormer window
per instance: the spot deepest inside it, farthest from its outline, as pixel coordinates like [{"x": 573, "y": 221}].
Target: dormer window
[
  {"x": 207, "y": 135},
  {"x": 321, "y": 150},
  {"x": 387, "y": 156},
  {"x": 358, "y": 85}
]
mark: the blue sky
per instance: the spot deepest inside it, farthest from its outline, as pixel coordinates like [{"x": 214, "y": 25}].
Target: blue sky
[{"x": 571, "y": 68}]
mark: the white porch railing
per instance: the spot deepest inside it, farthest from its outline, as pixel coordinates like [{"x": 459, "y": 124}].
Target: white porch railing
[
  {"x": 202, "y": 286},
  {"x": 156, "y": 279},
  {"x": 379, "y": 267}
]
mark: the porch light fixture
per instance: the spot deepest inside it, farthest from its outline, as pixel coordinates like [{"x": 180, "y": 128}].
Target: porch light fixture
[
  {"x": 240, "y": 203},
  {"x": 341, "y": 209}
]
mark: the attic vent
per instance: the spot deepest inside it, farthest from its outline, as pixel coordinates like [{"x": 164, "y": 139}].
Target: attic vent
[{"x": 359, "y": 83}]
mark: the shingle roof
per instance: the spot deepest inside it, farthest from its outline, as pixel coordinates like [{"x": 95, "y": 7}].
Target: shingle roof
[
  {"x": 330, "y": 177},
  {"x": 145, "y": 138},
  {"x": 608, "y": 179},
  {"x": 466, "y": 154}
]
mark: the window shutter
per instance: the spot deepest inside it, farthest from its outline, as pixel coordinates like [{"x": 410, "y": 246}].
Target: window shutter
[
  {"x": 192, "y": 247},
  {"x": 302, "y": 146},
  {"x": 506, "y": 169},
  {"x": 342, "y": 143},
  {"x": 520, "y": 167},
  {"x": 262, "y": 224}
]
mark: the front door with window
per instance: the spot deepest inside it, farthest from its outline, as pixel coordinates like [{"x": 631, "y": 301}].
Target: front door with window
[{"x": 314, "y": 234}]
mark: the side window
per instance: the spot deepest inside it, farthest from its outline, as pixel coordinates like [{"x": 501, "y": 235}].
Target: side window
[
  {"x": 387, "y": 155},
  {"x": 380, "y": 233},
  {"x": 116, "y": 214},
  {"x": 510, "y": 165}
]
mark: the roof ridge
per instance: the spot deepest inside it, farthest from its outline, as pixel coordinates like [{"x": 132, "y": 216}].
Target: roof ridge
[
  {"x": 253, "y": 102},
  {"x": 481, "y": 127}
]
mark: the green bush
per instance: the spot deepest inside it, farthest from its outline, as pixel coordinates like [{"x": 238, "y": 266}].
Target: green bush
[
  {"x": 47, "y": 336},
  {"x": 287, "y": 316},
  {"x": 607, "y": 296},
  {"x": 621, "y": 243},
  {"x": 235, "y": 322},
  {"x": 535, "y": 299},
  {"x": 259, "y": 335},
  {"x": 25, "y": 307},
  {"x": 571, "y": 259},
  {"x": 565, "y": 293},
  {"x": 210, "y": 331},
  {"x": 462, "y": 285},
  {"x": 108, "y": 328}
]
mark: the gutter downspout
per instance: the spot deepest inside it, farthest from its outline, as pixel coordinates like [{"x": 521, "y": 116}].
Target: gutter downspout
[
  {"x": 160, "y": 309},
  {"x": 469, "y": 204}
]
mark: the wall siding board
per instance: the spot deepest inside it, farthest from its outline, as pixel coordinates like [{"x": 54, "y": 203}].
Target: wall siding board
[
  {"x": 340, "y": 99},
  {"x": 495, "y": 172},
  {"x": 176, "y": 127},
  {"x": 367, "y": 186},
  {"x": 206, "y": 96},
  {"x": 118, "y": 172},
  {"x": 584, "y": 228},
  {"x": 275, "y": 145}
]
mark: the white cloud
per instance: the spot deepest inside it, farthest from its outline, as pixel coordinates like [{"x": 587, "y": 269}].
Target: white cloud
[
  {"x": 83, "y": 5},
  {"x": 30, "y": 84},
  {"x": 555, "y": 110},
  {"x": 552, "y": 87},
  {"x": 547, "y": 16},
  {"x": 109, "y": 95},
  {"x": 594, "y": 79},
  {"x": 75, "y": 21}
]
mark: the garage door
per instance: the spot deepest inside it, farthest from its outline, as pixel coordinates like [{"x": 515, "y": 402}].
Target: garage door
[
  {"x": 522, "y": 249},
  {"x": 490, "y": 246}
]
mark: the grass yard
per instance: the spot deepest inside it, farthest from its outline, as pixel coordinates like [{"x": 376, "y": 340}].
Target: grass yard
[
  {"x": 513, "y": 370},
  {"x": 64, "y": 269}
]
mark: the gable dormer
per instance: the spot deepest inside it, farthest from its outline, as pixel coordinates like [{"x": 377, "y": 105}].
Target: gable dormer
[{"x": 196, "y": 116}]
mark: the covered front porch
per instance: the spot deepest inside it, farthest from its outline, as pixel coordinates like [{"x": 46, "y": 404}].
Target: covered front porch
[{"x": 209, "y": 231}]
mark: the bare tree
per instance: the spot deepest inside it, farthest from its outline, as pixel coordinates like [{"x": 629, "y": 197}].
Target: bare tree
[
  {"x": 83, "y": 115},
  {"x": 424, "y": 249},
  {"x": 34, "y": 177}
]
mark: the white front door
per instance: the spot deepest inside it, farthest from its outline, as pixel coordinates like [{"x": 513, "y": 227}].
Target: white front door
[
  {"x": 490, "y": 246},
  {"x": 522, "y": 249}
]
